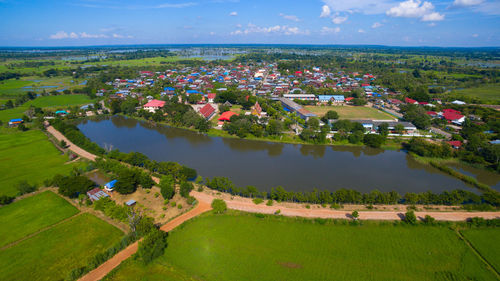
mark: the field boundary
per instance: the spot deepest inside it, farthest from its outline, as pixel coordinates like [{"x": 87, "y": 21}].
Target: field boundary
[
  {"x": 10, "y": 245},
  {"x": 478, "y": 254}
]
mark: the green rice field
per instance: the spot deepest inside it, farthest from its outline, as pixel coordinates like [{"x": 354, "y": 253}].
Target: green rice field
[
  {"x": 487, "y": 92},
  {"x": 239, "y": 246},
  {"x": 53, "y": 253},
  {"x": 32, "y": 214},
  {"x": 28, "y": 156},
  {"x": 487, "y": 242},
  {"x": 52, "y": 102}
]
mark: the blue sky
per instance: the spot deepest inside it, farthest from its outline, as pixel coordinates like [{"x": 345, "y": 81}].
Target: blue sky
[{"x": 467, "y": 23}]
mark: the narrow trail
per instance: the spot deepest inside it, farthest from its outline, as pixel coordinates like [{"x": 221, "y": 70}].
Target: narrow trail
[
  {"x": 108, "y": 266},
  {"x": 71, "y": 146}
]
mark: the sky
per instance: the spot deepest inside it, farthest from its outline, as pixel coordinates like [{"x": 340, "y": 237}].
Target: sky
[{"x": 457, "y": 23}]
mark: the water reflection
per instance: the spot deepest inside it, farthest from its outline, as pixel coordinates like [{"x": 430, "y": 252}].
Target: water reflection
[{"x": 267, "y": 164}]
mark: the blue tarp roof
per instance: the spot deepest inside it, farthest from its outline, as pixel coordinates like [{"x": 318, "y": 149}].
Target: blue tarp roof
[
  {"x": 169, "y": 89},
  {"x": 111, "y": 184},
  {"x": 16, "y": 120},
  {"x": 192, "y": 91},
  {"x": 61, "y": 112}
]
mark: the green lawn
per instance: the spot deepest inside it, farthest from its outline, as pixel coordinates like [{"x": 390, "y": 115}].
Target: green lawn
[
  {"x": 351, "y": 112},
  {"x": 488, "y": 92},
  {"x": 53, "y": 102},
  {"x": 52, "y": 254},
  {"x": 28, "y": 156},
  {"x": 487, "y": 242},
  {"x": 29, "y": 215},
  {"x": 244, "y": 247}
]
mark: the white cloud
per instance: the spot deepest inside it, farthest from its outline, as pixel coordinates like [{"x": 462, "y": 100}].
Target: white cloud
[
  {"x": 212, "y": 33},
  {"x": 330, "y": 30},
  {"x": 339, "y": 20},
  {"x": 432, "y": 24},
  {"x": 467, "y": 2},
  {"x": 415, "y": 9},
  {"x": 59, "y": 35},
  {"x": 233, "y": 14},
  {"x": 358, "y": 6},
  {"x": 376, "y": 25},
  {"x": 361, "y": 30},
  {"x": 180, "y": 5},
  {"x": 475, "y": 35},
  {"x": 325, "y": 11},
  {"x": 277, "y": 29},
  {"x": 435, "y": 16},
  {"x": 289, "y": 17},
  {"x": 84, "y": 35}
]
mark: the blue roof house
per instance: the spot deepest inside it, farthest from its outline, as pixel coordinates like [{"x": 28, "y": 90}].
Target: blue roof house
[{"x": 110, "y": 185}]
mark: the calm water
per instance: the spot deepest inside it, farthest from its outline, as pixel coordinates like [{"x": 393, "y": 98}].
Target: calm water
[{"x": 265, "y": 164}]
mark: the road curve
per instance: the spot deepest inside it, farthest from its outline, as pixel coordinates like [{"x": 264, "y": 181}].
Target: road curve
[{"x": 71, "y": 146}]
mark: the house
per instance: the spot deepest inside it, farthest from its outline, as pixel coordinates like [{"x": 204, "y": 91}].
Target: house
[
  {"x": 332, "y": 98},
  {"x": 207, "y": 111},
  {"x": 62, "y": 112},
  {"x": 110, "y": 185},
  {"x": 432, "y": 114},
  {"x": 15, "y": 122},
  {"x": 300, "y": 96},
  {"x": 154, "y": 105},
  {"x": 455, "y": 144},
  {"x": 411, "y": 101},
  {"x": 211, "y": 97},
  {"x": 96, "y": 194},
  {"x": 169, "y": 90},
  {"x": 453, "y": 116},
  {"x": 226, "y": 116},
  {"x": 458, "y": 102}
]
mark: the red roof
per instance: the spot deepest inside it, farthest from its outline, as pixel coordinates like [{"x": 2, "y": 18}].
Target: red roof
[
  {"x": 155, "y": 103},
  {"x": 455, "y": 143},
  {"x": 207, "y": 110},
  {"x": 211, "y": 95},
  {"x": 449, "y": 110},
  {"x": 451, "y": 115},
  {"x": 349, "y": 99},
  {"x": 412, "y": 101},
  {"x": 431, "y": 113},
  {"x": 226, "y": 116}
]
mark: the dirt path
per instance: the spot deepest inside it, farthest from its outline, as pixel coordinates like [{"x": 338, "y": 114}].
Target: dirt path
[
  {"x": 71, "y": 146},
  {"x": 105, "y": 268},
  {"x": 246, "y": 205}
]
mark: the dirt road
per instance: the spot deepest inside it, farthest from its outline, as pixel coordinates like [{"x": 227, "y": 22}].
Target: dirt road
[
  {"x": 71, "y": 146},
  {"x": 246, "y": 205},
  {"x": 105, "y": 268}
]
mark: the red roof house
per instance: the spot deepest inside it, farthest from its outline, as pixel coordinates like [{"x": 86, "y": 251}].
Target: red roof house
[
  {"x": 154, "y": 105},
  {"x": 432, "y": 113},
  {"x": 411, "y": 101},
  {"x": 349, "y": 99},
  {"x": 455, "y": 144},
  {"x": 226, "y": 116},
  {"x": 207, "y": 111}
]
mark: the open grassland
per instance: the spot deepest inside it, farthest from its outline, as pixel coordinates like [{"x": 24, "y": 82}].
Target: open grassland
[
  {"x": 52, "y": 102},
  {"x": 240, "y": 246},
  {"x": 52, "y": 254},
  {"x": 351, "y": 112},
  {"x": 487, "y": 92},
  {"x": 14, "y": 87},
  {"x": 31, "y": 214},
  {"x": 156, "y": 61},
  {"x": 487, "y": 242},
  {"x": 28, "y": 156}
]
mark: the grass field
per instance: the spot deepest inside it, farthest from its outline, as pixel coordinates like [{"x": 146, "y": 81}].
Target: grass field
[
  {"x": 351, "y": 112},
  {"x": 28, "y": 156},
  {"x": 14, "y": 87},
  {"x": 488, "y": 92},
  {"x": 244, "y": 247},
  {"x": 61, "y": 101},
  {"x": 487, "y": 242},
  {"x": 31, "y": 214},
  {"x": 52, "y": 254}
]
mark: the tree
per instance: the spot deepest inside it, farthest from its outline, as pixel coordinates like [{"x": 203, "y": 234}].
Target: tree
[
  {"x": 127, "y": 181},
  {"x": 152, "y": 246},
  {"x": 186, "y": 187},
  {"x": 146, "y": 181},
  {"x": 383, "y": 129},
  {"x": 358, "y": 101},
  {"x": 167, "y": 187},
  {"x": 72, "y": 186},
  {"x": 429, "y": 220},
  {"x": 410, "y": 217},
  {"x": 399, "y": 128},
  {"x": 24, "y": 187},
  {"x": 63, "y": 144},
  {"x": 274, "y": 127},
  {"x": 373, "y": 140},
  {"x": 355, "y": 215},
  {"x": 313, "y": 123},
  {"x": 330, "y": 114},
  {"x": 219, "y": 206}
]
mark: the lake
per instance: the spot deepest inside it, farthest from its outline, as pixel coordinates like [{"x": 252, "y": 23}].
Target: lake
[{"x": 266, "y": 164}]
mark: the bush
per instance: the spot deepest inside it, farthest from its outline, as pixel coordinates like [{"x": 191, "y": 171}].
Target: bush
[
  {"x": 186, "y": 187},
  {"x": 23, "y": 187},
  {"x": 269, "y": 202},
  {"x": 72, "y": 186},
  {"x": 410, "y": 217},
  {"x": 4, "y": 199},
  {"x": 373, "y": 140},
  {"x": 429, "y": 220},
  {"x": 167, "y": 187},
  {"x": 179, "y": 206},
  {"x": 257, "y": 201},
  {"x": 219, "y": 206},
  {"x": 152, "y": 246},
  {"x": 191, "y": 200}
]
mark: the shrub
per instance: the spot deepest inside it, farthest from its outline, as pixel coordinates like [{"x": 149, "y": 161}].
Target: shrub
[
  {"x": 191, "y": 200},
  {"x": 269, "y": 202},
  {"x": 308, "y": 206},
  {"x": 410, "y": 217},
  {"x": 173, "y": 204},
  {"x": 23, "y": 187},
  {"x": 152, "y": 246},
  {"x": 355, "y": 215},
  {"x": 4, "y": 199},
  {"x": 186, "y": 187},
  {"x": 257, "y": 201},
  {"x": 219, "y": 206},
  {"x": 277, "y": 212},
  {"x": 167, "y": 187},
  {"x": 429, "y": 220},
  {"x": 179, "y": 206}
]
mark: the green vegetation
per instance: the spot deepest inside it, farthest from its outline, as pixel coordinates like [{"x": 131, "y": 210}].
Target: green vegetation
[
  {"x": 487, "y": 242},
  {"x": 50, "y": 102},
  {"x": 204, "y": 248},
  {"x": 31, "y": 214},
  {"x": 28, "y": 156},
  {"x": 486, "y": 92},
  {"x": 351, "y": 112},
  {"x": 51, "y": 254}
]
